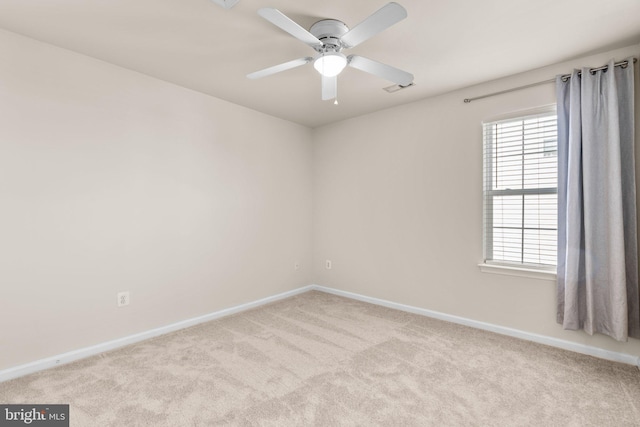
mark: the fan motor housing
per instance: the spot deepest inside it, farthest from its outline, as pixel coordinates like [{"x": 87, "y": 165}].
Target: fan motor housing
[{"x": 329, "y": 31}]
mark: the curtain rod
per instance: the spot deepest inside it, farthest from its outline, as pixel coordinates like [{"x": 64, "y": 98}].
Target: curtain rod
[{"x": 565, "y": 77}]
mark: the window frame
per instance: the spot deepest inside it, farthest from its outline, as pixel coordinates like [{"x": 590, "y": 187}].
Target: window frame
[{"x": 489, "y": 265}]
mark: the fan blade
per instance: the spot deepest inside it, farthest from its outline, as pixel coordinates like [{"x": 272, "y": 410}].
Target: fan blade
[
  {"x": 280, "y": 67},
  {"x": 382, "y": 19},
  {"x": 381, "y": 70},
  {"x": 329, "y": 87},
  {"x": 281, "y": 20}
]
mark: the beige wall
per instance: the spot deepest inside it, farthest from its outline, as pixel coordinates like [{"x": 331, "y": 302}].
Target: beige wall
[
  {"x": 398, "y": 207},
  {"x": 111, "y": 180}
]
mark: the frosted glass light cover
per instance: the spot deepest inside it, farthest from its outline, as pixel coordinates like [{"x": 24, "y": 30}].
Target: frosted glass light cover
[{"x": 330, "y": 64}]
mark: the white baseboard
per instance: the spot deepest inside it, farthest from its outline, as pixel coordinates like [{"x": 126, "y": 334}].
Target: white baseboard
[
  {"x": 628, "y": 359},
  {"x": 82, "y": 353},
  {"x": 61, "y": 359}
]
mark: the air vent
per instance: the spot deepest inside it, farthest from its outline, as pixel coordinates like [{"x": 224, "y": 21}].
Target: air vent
[
  {"x": 396, "y": 88},
  {"x": 227, "y": 4}
]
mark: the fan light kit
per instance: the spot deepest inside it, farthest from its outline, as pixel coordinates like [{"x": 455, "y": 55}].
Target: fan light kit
[{"x": 329, "y": 37}]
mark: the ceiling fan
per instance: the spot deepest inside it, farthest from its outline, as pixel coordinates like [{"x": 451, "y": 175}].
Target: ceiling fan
[{"x": 329, "y": 37}]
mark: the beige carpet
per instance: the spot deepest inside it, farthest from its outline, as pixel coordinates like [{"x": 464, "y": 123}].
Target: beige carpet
[{"x": 319, "y": 359}]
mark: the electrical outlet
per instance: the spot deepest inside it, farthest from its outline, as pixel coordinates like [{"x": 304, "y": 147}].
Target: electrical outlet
[
  {"x": 296, "y": 266},
  {"x": 123, "y": 299},
  {"x": 328, "y": 264}
]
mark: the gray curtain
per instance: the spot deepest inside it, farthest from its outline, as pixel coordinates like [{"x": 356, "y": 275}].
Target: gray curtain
[{"x": 597, "y": 240}]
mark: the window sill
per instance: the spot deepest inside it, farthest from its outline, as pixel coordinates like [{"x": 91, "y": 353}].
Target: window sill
[{"x": 518, "y": 271}]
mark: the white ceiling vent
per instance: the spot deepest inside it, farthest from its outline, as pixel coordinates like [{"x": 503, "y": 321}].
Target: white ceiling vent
[
  {"x": 396, "y": 88},
  {"x": 227, "y": 4}
]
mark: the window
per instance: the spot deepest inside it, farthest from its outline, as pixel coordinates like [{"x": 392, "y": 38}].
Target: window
[{"x": 520, "y": 191}]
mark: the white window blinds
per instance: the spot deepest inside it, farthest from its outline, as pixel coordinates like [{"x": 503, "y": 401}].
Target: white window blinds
[{"x": 520, "y": 190}]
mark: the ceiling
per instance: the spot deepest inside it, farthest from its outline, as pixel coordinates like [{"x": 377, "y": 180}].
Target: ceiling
[{"x": 446, "y": 44}]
